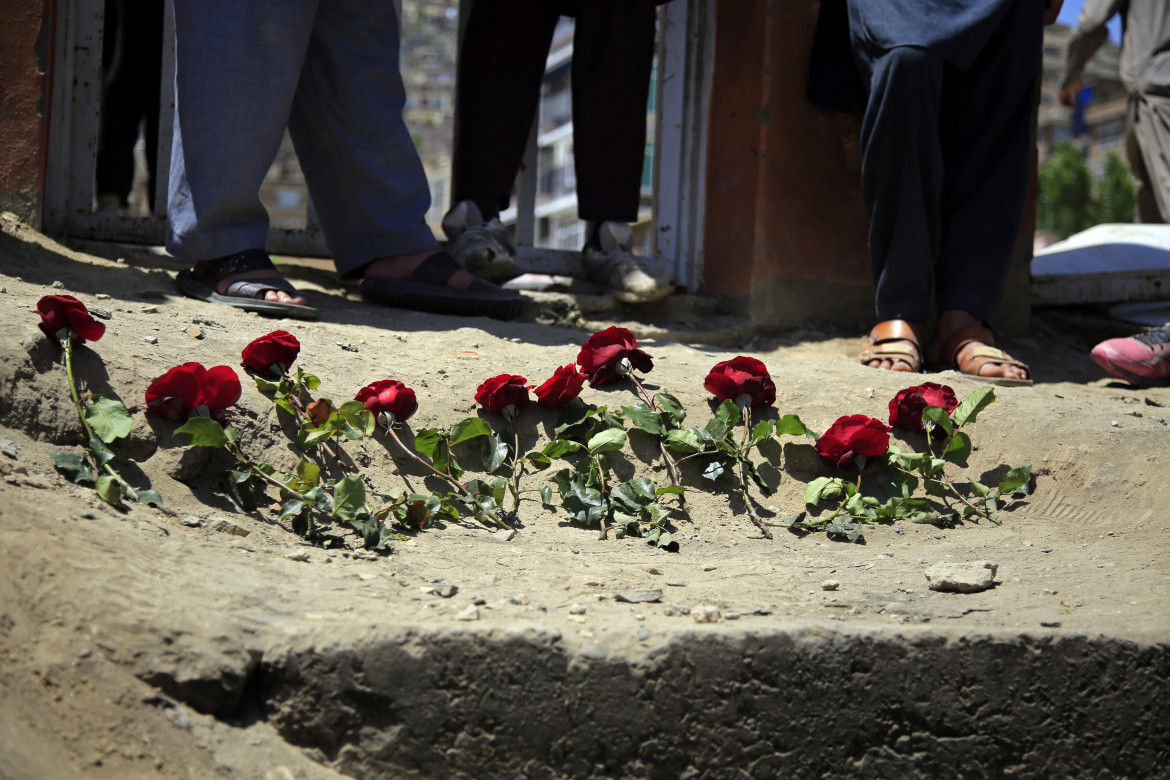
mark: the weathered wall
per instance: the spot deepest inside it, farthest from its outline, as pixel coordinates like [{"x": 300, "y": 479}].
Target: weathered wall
[
  {"x": 785, "y": 225},
  {"x": 25, "y": 53}
]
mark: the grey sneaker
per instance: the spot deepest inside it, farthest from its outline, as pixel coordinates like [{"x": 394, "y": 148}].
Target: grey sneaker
[
  {"x": 481, "y": 247},
  {"x": 614, "y": 265}
]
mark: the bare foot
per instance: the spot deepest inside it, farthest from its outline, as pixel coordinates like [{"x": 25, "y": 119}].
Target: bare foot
[
  {"x": 276, "y": 296},
  {"x": 952, "y": 321},
  {"x": 894, "y": 345},
  {"x": 402, "y": 266}
]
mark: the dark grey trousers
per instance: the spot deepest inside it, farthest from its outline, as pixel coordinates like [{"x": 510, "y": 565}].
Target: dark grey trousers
[{"x": 945, "y": 160}]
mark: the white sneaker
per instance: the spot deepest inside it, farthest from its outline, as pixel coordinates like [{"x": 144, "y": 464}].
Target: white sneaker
[
  {"x": 615, "y": 265},
  {"x": 483, "y": 248}
]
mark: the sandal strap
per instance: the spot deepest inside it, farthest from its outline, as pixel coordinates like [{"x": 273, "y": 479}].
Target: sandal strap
[
  {"x": 955, "y": 342},
  {"x": 980, "y": 356},
  {"x": 892, "y": 330},
  {"x": 438, "y": 269},
  {"x": 893, "y": 340},
  {"x": 241, "y": 263}
]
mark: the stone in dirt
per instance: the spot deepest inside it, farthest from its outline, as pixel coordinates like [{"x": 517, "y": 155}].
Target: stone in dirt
[
  {"x": 706, "y": 614},
  {"x": 957, "y": 577},
  {"x": 227, "y": 527},
  {"x": 830, "y": 585},
  {"x": 639, "y": 596}
]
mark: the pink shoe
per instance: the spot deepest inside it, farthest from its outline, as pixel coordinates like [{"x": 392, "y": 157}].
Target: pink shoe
[{"x": 1142, "y": 360}]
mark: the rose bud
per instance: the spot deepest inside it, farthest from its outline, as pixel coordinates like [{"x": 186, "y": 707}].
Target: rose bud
[
  {"x": 563, "y": 386},
  {"x": 853, "y": 435},
  {"x": 501, "y": 392},
  {"x": 390, "y": 400},
  {"x": 602, "y": 356},
  {"x": 271, "y": 354},
  {"x": 66, "y": 313},
  {"x": 741, "y": 379},
  {"x": 192, "y": 388},
  {"x": 906, "y": 407}
]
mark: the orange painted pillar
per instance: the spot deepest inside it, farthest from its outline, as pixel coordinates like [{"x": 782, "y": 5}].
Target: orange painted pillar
[{"x": 26, "y": 44}]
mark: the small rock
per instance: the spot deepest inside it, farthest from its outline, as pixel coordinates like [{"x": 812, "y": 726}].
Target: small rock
[
  {"x": 150, "y": 309},
  {"x": 58, "y": 285},
  {"x": 640, "y": 596},
  {"x": 1044, "y": 549},
  {"x": 347, "y": 347},
  {"x": 191, "y": 521},
  {"x": 1050, "y": 623},
  {"x": 710, "y": 568},
  {"x": 101, "y": 314},
  {"x": 228, "y": 527},
  {"x": 102, "y": 296},
  {"x": 279, "y": 773},
  {"x": 676, "y": 609},
  {"x": 299, "y": 557},
  {"x": 8, "y": 447},
  {"x": 471, "y": 613},
  {"x": 830, "y": 585},
  {"x": 643, "y": 634},
  {"x": 507, "y": 536},
  {"x": 962, "y": 577},
  {"x": 576, "y": 609},
  {"x": 706, "y": 614},
  {"x": 1115, "y": 423},
  {"x": 151, "y": 339},
  {"x": 195, "y": 333},
  {"x": 447, "y": 590}
]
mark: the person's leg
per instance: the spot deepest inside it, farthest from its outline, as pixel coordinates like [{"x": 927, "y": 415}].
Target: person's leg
[
  {"x": 985, "y": 126},
  {"x": 1146, "y": 206},
  {"x": 501, "y": 66},
  {"x": 236, "y": 72},
  {"x": 120, "y": 110},
  {"x": 901, "y": 172},
  {"x": 1151, "y": 131}
]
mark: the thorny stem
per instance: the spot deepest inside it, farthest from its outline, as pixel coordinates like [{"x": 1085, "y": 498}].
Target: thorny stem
[
  {"x": 517, "y": 467},
  {"x": 743, "y": 482},
  {"x": 67, "y": 345},
  {"x": 604, "y": 489},
  {"x": 445, "y": 476},
  {"x": 945, "y": 478},
  {"x": 331, "y": 450},
  {"x": 671, "y": 465},
  {"x": 255, "y": 469}
]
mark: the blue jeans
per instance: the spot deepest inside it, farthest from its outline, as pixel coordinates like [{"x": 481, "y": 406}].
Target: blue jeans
[{"x": 246, "y": 69}]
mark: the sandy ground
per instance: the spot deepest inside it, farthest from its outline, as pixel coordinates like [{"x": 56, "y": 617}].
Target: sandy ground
[{"x": 95, "y": 603}]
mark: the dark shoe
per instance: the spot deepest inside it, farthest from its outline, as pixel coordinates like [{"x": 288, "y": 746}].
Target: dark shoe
[
  {"x": 481, "y": 246},
  {"x": 426, "y": 290},
  {"x": 612, "y": 263},
  {"x": 242, "y": 294}
]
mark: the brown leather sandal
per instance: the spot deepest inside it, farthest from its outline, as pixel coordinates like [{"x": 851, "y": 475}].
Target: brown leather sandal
[
  {"x": 975, "y": 359},
  {"x": 887, "y": 341}
]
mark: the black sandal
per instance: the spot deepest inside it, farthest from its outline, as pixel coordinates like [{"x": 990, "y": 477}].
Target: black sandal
[
  {"x": 242, "y": 294},
  {"x": 426, "y": 290}
]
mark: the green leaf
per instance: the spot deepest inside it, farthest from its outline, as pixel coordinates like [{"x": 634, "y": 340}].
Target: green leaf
[
  {"x": 546, "y": 495},
  {"x": 108, "y": 418},
  {"x": 826, "y": 489},
  {"x": 243, "y": 489},
  {"x": 715, "y": 468},
  {"x": 375, "y": 535},
  {"x": 74, "y": 466},
  {"x": 716, "y": 429},
  {"x": 150, "y": 497},
  {"x": 790, "y": 425},
  {"x": 979, "y": 489},
  {"x": 110, "y": 490},
  {"x": 934, "y": 487},
  {"x": 750, "y": 468},
  {"x": 349, "y": 498},
  {"x": 357, "y": 416},
  {"x": 308, "y": 439},
  {"x": 939, "y": 417},
  {"x": 308, "y": 380},
  {"x": 1018, "y": 480},
  {"x": 494, "y": 453},
  {"x": 204, "y": 432},
  {"x": 606, "y": 441},
  {"x": 468, "y": 429},
  {"x": 685, "y": 441},
  {"x": 308, "y": 473},
  {"x": 670, "y": 489},
  {"x": 729, "y": 414},
  {"x": 760, "y": 431},
  {"x": 644, "y": 418},
  {"x": 657, "y": 513},
  {"x": 958, "y": 450},
  {"x": 669, "y": 404},
  {"x": 842, "y": 526},
  {"x": 286, "y": 406},
  {"x": 972, "y": 405},
  {"x": 443, "y": 460},
  {"x": 267, "y": 385},
  {"x": 633, "y": 496},
  {"x": 426, "y": 440},
  {"x": 101, "y": 452},
  {"x": 664, "y": 541},
  {"x": 539, "y": 462},
  {"x": 559, "y": 448},
  {"x": 795, "y": 521},
  {"x": 292, "y": 508}
]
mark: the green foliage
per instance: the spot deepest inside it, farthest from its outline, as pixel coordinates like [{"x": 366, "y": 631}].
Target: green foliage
[
  {"x": 1066, "y": 192},
  {"x": 1116, "y": 193},
  {"x": 108, "y": 418}
]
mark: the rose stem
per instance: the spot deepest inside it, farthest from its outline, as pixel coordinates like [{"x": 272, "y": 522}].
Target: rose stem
[
  {"x": 946, "y": 480},
  {"x": 604, "y": 489},
  {"x": 67, "y": 344},
  {"x": 743, "y": 483},
  {"x": 298, "y": 408},
  {"x": 242, "y": 458},
  {"x": 447, "y": 477},
  {"x": 515, "y": 470},
  {"x": 671, "y": 466}
]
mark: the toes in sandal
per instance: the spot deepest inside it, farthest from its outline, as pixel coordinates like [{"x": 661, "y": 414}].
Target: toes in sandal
[
  {"x": 242, "y": 294},
  {"x": 893, "y": 340},
  {"x": 975, "y": 359}
]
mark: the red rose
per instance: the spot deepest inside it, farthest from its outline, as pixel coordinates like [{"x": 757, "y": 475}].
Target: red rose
[
  {"x": 272, "y": 354},
  {"x": 390, "y": 396},
  {"x": 853, "y": 435},
  {"x": 741, "y": 376},
  {"x": 179, "y": 391},
  {"x": 503, "y": 390},
  {"x": 563, "y": 386},
  {"x": 906, "y": 407},
  {"x": 600, "y": 355},
  {"x": 65, "y": 311}
]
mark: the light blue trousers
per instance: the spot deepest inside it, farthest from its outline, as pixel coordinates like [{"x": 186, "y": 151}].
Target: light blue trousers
[{"x": 246, "y": 69}]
